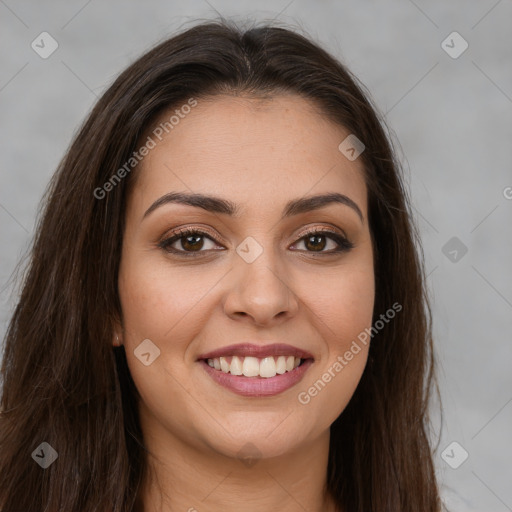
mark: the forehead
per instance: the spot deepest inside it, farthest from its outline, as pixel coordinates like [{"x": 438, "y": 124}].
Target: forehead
[{"x": 248, "y": 149}]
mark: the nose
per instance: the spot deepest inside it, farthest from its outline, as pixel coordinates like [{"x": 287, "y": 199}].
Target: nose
[{"x": 260, "y": 292}]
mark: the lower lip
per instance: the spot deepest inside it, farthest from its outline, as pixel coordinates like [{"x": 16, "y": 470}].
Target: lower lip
[{"x": 258, "y": 386}]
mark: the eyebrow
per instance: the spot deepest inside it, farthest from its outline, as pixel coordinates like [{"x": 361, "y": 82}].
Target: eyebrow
[{"x": 218, "y": 205}]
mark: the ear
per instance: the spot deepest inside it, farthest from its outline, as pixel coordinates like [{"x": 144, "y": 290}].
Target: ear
[
  {"x": 117, "y": 342},
  {"x": 117, "y": 333}
]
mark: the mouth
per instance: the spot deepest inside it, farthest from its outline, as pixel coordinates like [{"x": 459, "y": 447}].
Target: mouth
[{"x": 252, "y": 370}]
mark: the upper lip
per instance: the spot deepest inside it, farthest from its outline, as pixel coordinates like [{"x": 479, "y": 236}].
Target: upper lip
[{"x": 259, "y": 351}]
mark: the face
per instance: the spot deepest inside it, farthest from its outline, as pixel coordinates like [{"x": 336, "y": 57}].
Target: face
[{"x": 264, "y": 278}]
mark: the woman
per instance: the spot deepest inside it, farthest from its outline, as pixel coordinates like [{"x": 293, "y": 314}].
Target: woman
[{"x": 225, "y": 306}]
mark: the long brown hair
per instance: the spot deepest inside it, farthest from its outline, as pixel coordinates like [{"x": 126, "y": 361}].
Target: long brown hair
[{"x": 64, "y": 383}]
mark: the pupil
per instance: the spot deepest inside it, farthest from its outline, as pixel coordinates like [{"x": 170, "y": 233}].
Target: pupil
[
  {"x": 317, "y": 242},
  {"x": 191, "y": 242}
]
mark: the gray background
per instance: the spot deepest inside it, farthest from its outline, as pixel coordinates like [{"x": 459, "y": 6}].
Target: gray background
[{"x": 451, "y": 116}]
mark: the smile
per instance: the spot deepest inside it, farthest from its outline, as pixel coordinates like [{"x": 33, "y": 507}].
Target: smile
[{"x": 257, "y": 371}]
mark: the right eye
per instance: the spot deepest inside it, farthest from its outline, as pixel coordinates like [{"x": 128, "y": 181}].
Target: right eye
[{"x": 188, "y": 242}]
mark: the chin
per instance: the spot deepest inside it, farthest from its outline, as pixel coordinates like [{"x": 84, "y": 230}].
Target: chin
[{"x": 266, "y": 441}]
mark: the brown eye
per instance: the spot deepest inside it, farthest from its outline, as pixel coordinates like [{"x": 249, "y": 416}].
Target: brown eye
[
  {"x": 192, "y": 243},
  {"x": 315, "y": 242},
  {"x": 318, "y": 241},
  {"x": 188, "y": 242}
]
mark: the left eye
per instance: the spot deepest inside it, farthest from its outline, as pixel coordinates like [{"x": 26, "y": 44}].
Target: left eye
[{"x": 318, "y": 241}]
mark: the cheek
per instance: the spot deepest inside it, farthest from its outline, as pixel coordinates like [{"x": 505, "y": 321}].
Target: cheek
[
  {"x": 342, "y": 308},
  {"x": 342, "y": 302},
  {"x": 351, "y": 308},
  {"x": 156, "y": 300},
  {"x": 163, "y": 305}
]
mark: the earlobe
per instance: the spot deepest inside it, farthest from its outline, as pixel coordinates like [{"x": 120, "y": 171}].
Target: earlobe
[
  {"x": 117, "y": 330},
  {"x": 116, "y": 342}
]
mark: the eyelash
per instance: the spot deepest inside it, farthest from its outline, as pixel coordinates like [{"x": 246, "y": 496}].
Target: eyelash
[{"x": 344, "y": 245}]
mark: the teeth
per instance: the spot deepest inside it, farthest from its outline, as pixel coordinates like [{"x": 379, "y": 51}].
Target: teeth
[
  {"x": 224, "y": 365},
  {"x": 268, "y": 367},
  {"x": 235, "y": 368},
  {"x": 281, "y": 365},
  {"x": 253, "y": 367}
]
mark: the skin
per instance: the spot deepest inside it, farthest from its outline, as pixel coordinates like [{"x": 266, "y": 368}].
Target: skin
[{"x": 260, "y": 154}]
